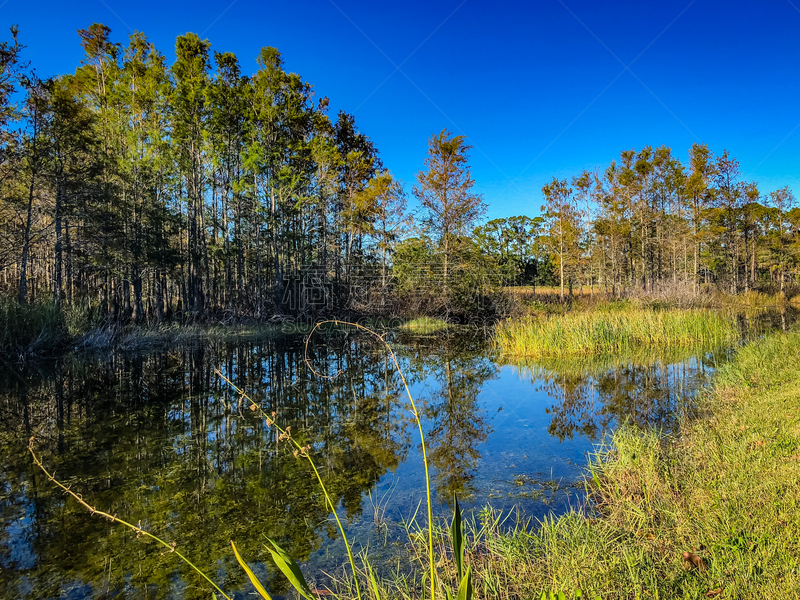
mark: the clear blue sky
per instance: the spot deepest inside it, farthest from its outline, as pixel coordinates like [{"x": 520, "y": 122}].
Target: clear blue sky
[{"x": 539, "y": 88}]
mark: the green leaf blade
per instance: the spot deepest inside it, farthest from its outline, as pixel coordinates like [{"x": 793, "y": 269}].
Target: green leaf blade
[
  {"x": 465, "y": 591},
  {"x": 457, "y": 535},
  {"x": 290, "y": 569},
  {"x": 253, "y": 579}
]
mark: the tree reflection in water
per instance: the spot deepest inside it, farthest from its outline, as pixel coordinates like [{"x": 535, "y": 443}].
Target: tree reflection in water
[
  {"x": 161, "y": 439},
  {"x": 457, "y": 368},
  {"x": 649, "y": 390}
]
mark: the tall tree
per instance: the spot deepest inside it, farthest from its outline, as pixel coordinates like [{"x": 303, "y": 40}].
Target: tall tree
[
  {"x": 784, "y": 201},
  {"x": 444, "y": 191},
  {"x": 563, "y": 222}
]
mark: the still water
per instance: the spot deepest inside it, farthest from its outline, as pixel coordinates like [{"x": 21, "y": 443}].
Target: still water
[{"x": 158, "y": 438}]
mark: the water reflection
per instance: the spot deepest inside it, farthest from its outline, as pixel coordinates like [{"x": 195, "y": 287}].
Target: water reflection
[
  {"x": 456, "y": 369},
  {"x": 160, "y": 437},
  {"x": 647, "y": 393}
]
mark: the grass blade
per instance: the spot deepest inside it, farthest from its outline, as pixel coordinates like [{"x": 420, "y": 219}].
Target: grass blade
[
  {"x": 458, "y": 538},
  {"x": 291, "y": 570},
  {"x": 375, "y": 589},
  {"x": 465, "y": 589},
  {"x": 253, "y": 579}
]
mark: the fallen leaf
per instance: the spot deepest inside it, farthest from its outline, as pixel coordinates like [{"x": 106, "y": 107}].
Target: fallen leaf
[
  {"x": 712, "y": 593},
  {"x": 694, "y": 560}
]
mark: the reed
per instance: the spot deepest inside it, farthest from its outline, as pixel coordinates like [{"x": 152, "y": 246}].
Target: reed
[
  {"x": 28, "y": 328},
  {"x": 415, "y": 412},
  {"x": 611, "y": 331}
]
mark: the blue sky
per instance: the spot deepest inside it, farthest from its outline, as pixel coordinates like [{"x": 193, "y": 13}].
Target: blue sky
[{"x": 539, "y": 88}]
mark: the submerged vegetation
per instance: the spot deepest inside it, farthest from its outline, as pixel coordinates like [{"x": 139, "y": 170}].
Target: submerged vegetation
[{"x": 612, "y": 331}]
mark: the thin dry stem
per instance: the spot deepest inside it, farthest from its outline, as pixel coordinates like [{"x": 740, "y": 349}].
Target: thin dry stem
[{"x": 172, "y": 547}]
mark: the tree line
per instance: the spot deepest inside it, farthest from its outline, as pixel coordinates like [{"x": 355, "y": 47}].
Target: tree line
[
  {"x": 145, "y": 190},
  {"x": 650, "y": 221},
  {"x": 136, "y": 191}
]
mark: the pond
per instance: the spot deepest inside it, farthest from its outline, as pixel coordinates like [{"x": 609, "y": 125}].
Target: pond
[{"x": 159, "y": 438}]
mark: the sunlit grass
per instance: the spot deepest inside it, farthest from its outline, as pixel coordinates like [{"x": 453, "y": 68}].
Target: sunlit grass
[
  {"x": 611, "y": 331},
  {"x": 425, "y": 325}
]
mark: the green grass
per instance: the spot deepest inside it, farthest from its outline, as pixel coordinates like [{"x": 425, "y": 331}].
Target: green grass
[
  {"x": 621, "y": 330},
  {"x": 425, "y": 325}
]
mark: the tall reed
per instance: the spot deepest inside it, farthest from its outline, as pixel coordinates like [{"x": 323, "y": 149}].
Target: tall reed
[
  {"x": 32, "y": 327},
  {"x": 416, "y": 418},
  {"x": 606, "y": 332}
]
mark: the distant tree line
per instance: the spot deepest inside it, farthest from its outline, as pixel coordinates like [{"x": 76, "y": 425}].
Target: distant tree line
[{"x": 649, "y": 221}]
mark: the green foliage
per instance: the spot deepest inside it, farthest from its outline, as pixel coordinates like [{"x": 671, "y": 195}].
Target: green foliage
[
  {"x": 28, "y": 328},
  {"x": 457, "y": 537},
  {"x": 466, "y": 288},
  {"x": 515, "y": 244},
  {"x": 290, "y": 569},
  {"x": 425, "y": 325},
  {"x": 250, "y": 575}
]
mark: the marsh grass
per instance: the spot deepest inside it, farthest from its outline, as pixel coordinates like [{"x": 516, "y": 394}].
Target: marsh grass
[
  {"x": 619, "y": 330},
  {"x": 425, "y": 325},
  {"x": 146, "y": 337},
  {"x": 28, "y": 328}
]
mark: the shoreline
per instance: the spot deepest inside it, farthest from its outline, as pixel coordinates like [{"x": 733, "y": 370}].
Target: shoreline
[{"x": 724, "y": 490}]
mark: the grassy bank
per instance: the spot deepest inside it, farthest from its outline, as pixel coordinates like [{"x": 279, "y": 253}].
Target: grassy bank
[
  {"x": 726, "y": 490},
  {"x": 607, "y": 331}
]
